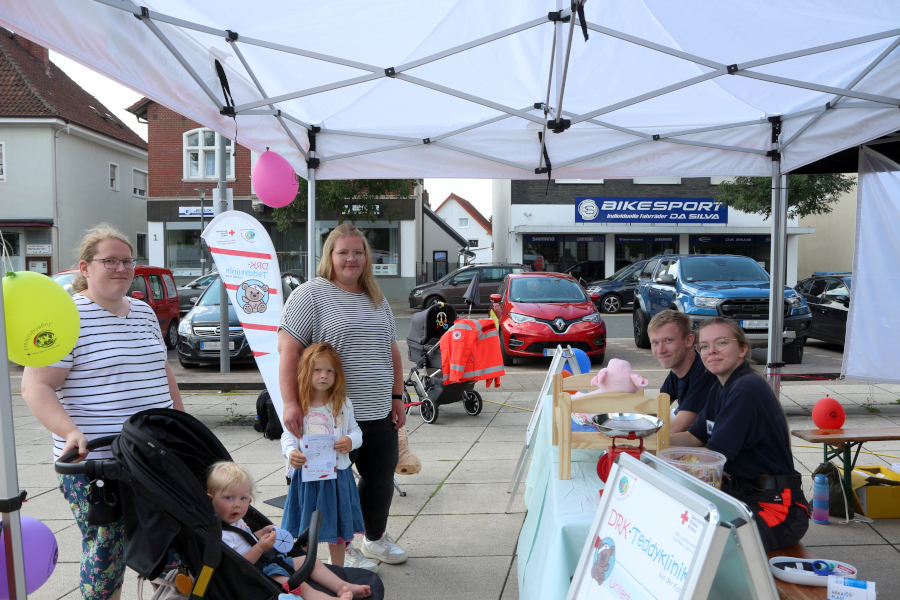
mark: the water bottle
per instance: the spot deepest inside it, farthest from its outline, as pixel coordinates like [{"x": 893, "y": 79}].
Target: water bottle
[{"x": 820, "y": 499}]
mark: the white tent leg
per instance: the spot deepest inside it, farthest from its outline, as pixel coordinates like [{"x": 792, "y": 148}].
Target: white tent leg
[
  {"x": 9, "y": 481},
  {"x": 777, "y": 261}
]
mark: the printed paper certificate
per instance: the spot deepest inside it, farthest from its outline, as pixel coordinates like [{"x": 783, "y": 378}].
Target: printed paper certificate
[{"x": 321, "y": 457}]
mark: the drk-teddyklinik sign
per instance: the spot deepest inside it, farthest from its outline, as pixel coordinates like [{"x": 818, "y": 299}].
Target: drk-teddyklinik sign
[{"x": 650, "y": 210}]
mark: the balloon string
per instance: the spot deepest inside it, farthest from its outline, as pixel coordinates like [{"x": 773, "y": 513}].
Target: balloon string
[{"x": 6, "y": 260}]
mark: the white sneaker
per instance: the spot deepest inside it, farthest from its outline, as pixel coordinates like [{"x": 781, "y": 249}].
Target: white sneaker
[
  {"x": 384, "y": 550},
  {"x": 354, "y": 558}
]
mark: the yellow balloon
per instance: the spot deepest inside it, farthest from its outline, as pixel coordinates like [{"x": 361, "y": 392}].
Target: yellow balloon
[{"x": 42, "y": 321}]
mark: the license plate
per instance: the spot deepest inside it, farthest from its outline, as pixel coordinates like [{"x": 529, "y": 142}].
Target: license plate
[
  {"x": 214, "y": 345},
  {"x": 754, "y": 324}
]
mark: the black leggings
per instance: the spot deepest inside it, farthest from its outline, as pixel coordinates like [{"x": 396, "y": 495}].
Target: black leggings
[{"x": 375, "y": 461}]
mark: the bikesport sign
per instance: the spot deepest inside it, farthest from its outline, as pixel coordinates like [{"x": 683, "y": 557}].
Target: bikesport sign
[{"x": 650, "y": 210}]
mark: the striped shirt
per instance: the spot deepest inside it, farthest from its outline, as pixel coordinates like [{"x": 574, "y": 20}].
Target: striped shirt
[
  {"x": 319, "y": 311},
  {"x": 117, "y": 368}
]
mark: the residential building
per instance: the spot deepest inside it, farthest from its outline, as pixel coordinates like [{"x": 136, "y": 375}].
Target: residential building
[
  {"x": 468, "y": 221},
  {"x": 66, "y": 163}
]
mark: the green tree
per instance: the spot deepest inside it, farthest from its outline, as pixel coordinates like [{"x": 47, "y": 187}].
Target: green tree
[
  {"x": 807, "y": 194},
  {"x": 363, "y": 194}
]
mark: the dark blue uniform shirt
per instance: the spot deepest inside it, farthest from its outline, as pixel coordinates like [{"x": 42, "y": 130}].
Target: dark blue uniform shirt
[{"x": 744, "y": 421}]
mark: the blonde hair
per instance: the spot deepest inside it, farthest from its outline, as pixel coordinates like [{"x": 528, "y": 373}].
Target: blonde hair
[
  {"x": 732, "y": 326},
  {"x": 87, "y": 249},
  {"x": 338, "y": 393},
  {"x": 225, "y": 474},
  {"x": 366, "y": 279},
  {"x": 681, "y": 320}
]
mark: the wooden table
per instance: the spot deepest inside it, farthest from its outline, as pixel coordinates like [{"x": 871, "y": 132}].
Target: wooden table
[{"x": 840, "y": 443}]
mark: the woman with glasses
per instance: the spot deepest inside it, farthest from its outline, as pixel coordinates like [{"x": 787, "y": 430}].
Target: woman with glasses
[
  {"x": 117, "y": 368},
  {"x": 744, "y": 421}
]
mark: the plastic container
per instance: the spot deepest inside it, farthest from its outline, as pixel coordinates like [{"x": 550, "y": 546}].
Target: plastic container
[
  {"x": 704, "y": 464},
  {"x": 820, "y": 499}
]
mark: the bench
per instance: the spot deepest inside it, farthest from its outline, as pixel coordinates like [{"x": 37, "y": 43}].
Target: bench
[
  {"x": 794, "y": 591},
  {"x": 840, "y": 443}
]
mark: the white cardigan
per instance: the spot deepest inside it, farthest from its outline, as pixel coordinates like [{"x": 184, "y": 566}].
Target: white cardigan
[{"x": 347, "y": 427}]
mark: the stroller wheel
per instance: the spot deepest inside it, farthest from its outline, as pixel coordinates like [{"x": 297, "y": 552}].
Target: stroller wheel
[
  {"x": 429, "y": 410},
  {"x": 472, "y": 403}
]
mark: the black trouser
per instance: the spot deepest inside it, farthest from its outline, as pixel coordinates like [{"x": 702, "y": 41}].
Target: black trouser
[
  {"x": 375, "y": 462},
  {"x": 781, "y": 513}
]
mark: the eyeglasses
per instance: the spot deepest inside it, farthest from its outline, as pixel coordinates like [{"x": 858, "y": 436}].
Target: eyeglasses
[
  {"x": 719, "y": 343},
  {"x": 111, "y": 264}
]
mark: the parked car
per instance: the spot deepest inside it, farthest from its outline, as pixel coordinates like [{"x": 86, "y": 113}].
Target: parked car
[
  {"x": 537, "y": 311},
  {"x": 617, "y": 292},
  {"x": 710, "y": 285},
  {"x": 198, "y": 334},
  {"x": 451, "y": 287},
  {"x": 586, "y": 270},
  {"x": 153, "y": 285},
  {"x": 189, "y": 292},
  {"x": 828, "y": 297}
]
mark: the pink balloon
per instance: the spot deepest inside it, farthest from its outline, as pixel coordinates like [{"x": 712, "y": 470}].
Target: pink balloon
[
  {"x": 274, "y": 181},
  {"x": 40, "y": 553}
]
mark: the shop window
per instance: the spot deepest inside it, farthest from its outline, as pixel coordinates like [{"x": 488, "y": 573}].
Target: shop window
[
  {"x": 563, "y": 252},
  {"x": 183, "y": 251},
  {"x": 2, "y": 161},
  {"x": 139, "y": 183},
  {"x": 384, "y": 242},
  {"x": 200, "y": 161},
  {"x": 114, "y": 177},
  {"x": 140, "y": 246},
  {"x": 631, "y": 248},
  {"x": 756, "y": 247},
  {"x": 10, "y": 243}
]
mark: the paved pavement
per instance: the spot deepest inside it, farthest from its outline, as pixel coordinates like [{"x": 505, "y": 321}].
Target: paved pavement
[{"x": 452, "y": 520}]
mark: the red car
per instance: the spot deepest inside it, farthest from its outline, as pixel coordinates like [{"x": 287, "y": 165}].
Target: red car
[
  {"x": 541, "y": 310},
  {"x": 153, "y": 285}
]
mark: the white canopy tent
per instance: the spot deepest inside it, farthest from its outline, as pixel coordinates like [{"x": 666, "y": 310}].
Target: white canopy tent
[{"x": 506, "y": 90}]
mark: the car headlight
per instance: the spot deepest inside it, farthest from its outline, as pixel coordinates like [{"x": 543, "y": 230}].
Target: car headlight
[
  {"x": 593, "y": 289},
  {"x": 593, "y": 318},
  {"x": 418, "y": 292},
  {"x": 794, "y": 301},
  {"x": 520, "y": 318},
  {"x": 706, "y": 302},
  {"x": 184, "y": 328}
]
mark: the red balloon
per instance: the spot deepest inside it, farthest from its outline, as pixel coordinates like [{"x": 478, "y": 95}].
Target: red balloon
[
  {"x": 274, "y": 181},
  {"x": 828, "y": 413}
]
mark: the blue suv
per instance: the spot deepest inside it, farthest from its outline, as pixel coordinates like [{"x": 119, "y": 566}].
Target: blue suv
[{"x": 707, "y": 285}]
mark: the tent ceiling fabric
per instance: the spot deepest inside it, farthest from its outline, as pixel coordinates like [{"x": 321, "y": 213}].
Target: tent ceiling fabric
[{"x": 449, "y": 88}]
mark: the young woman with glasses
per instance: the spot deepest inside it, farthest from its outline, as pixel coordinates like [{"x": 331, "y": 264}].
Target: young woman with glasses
[
  {"x": 117, "y": 368},
  {"x": 745, "y": 421}
]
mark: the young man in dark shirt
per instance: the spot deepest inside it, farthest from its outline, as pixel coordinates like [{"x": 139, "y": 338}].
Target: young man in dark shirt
[{"x": 688, "y": 381}]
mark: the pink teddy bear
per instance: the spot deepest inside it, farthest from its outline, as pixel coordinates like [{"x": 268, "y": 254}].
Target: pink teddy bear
[{"x": 616, "y": 377}]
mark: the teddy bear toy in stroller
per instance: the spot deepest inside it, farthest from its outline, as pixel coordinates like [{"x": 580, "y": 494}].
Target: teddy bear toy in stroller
[{"x": 423, "y": 342}]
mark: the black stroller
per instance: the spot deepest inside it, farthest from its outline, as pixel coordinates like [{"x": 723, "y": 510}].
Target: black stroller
[
  {"x": 423, "y": 343},
  {"x": 159, "y": 466}
]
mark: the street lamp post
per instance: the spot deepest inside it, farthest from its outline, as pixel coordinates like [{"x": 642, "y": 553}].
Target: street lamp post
[{"x": 202, "y": 255}]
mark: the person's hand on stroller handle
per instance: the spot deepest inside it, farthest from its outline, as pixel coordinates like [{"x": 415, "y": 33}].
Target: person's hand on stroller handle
[{"x": 297, "y": 459}]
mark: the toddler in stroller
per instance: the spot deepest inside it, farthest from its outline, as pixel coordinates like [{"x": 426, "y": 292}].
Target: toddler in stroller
[
  {"x": 423, "y": 347},
  {"x": 160, "y": 462}
]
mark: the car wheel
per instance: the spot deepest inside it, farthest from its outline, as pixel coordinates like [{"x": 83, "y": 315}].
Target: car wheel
[
  {"x": 187, "y": 364},
  {"x": 429, "y": 410},
  {"x": 172, "y": 334},
  {"x": 508, "y": 360},
  {"x": 597, "y": 359},
  {"x": 432, "y": 300},
  {"x": 472, "y": 403},
  {"x": 639, "y": 322},
  {"x": 610, "y": 303},
  {"x": 792, "y": 353}
]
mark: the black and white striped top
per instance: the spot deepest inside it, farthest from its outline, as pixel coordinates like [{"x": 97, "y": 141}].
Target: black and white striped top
[
  {"x": 117, "y": 368},
  {"x": 319, "y": 311}
]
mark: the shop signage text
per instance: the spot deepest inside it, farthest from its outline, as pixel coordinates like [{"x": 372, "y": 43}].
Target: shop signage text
[{"x": 649, "y": 210}]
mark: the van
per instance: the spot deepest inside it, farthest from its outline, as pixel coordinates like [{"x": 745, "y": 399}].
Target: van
[{"x": 153, "y": 285}]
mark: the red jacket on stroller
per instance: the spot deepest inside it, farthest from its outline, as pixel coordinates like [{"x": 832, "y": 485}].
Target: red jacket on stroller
[{"x": 470, "y": 351}]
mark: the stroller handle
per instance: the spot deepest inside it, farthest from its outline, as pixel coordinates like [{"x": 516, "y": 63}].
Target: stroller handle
[
  {"x": 92, "y": 468},
  {"x": 304, "y": 571}
]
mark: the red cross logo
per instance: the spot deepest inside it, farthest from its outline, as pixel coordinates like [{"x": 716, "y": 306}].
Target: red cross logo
[{"x": 684, "y": 517}]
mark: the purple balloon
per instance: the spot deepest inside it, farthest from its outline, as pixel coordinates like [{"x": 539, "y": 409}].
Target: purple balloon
[{"x": 40, "y": 552}]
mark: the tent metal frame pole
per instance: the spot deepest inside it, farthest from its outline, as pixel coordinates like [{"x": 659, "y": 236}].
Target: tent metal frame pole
[
  {"x": 9, "y": 480},
  {"x": 224, "y": 321},
  {"x": 777, "y": 265},
  {"x": 311, "y": 207}
]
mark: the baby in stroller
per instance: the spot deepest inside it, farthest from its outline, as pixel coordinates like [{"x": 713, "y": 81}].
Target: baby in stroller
[{"x": 230, "y": 487}]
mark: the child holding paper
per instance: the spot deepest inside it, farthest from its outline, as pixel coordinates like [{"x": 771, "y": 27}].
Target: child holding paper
[{"x": 327, "y": 415}]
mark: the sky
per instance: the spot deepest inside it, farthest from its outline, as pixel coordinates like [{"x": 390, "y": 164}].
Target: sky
[{"x": 117, "y": 98}]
